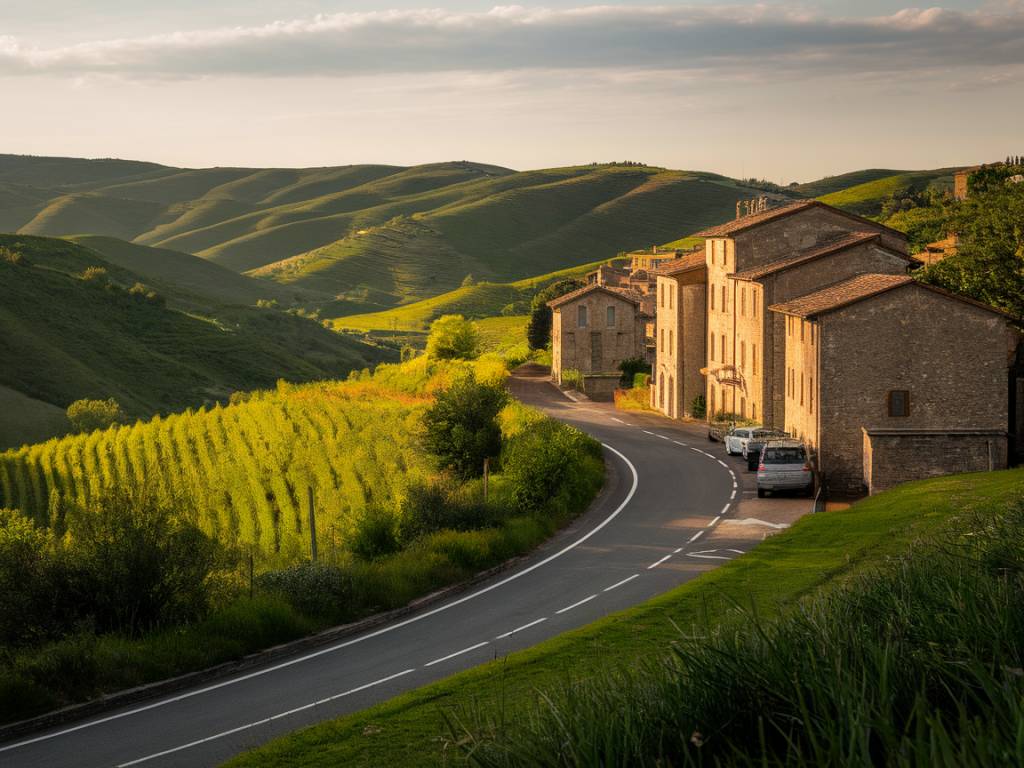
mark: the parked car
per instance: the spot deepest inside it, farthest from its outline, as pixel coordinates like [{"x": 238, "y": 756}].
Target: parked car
[
  {"x": 784, "y": 466},
  {"x": 753, "y": 447},
  {"x": 736, "y": 439}
]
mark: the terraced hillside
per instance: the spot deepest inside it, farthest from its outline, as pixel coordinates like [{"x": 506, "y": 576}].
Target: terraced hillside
[
  {"x": 64, "y": 337},
  {"x": 370, "y": 236}
]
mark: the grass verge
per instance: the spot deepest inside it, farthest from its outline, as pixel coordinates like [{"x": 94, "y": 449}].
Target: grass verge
[{"x": 817, "y": 554}]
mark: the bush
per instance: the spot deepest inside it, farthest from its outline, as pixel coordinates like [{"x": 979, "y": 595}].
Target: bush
[
  {"x": 90, "y": 415},
  {"x": 436, "y": 506},
  {"x": 641, "y": 380},
  {"x": 572, "y": 378},
  {"x": 631, "y": 368},
  {"x": 375, "y": 535},
  {"x": 698, "y": 407},
  {"x": 552, "y": 469},
  {"x": 17, "y": 258},
  {"x": 538, "y": 331},
  {"x": 143, "y": 292},
  {"x": 453, "y": 337},
  {"x": 313, "y": 589},
  {"x": 27, "y": 580},
  {"x": 461, "y": 427},
  {"x": 96, "y": 275}
]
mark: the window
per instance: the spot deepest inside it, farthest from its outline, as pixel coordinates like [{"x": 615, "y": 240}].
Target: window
[
  {"x": 812, "y": 334},
  {"x": 753, "y": 411},
  {"x": 661, "y": 294},
  {"x": 611, "y": 317},
  {"x": 725, "y": 303},
  {"x": 801, "y": 387},
  {"x": 753, "y": 358},
  {"x": 802, "y": 324},
  {"x": 712, "y": 298},
  {"x": 743, "y": 355},
  {"x": 743, "y": 301},
  {"x": 662, "y": 343},
  {"x": 581, "y": 316},
  {"x": 810, "y": 392},
  {"x": 789, "y": 326},
  {"x": 712, "y": 355},
  {"x": 753, "y": 300},
  {"x": 899, "y": 403},
  {"x": 671, "y": 293},
  {"x": 725, "y": 354},
  {"x": 671, "y": 349}
]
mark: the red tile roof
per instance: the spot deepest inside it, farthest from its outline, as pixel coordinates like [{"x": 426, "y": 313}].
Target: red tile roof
[
  {"x": 629, "y": 296},
  {"x": 691, "y": 260},
  {"x": 744, "y": 223},
  {"x": 861, "y": 287},
  {"x": 836, "y": 245}
]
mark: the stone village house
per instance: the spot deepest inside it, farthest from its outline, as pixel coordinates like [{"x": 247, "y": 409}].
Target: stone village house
[{"x": 914, "y": 382}]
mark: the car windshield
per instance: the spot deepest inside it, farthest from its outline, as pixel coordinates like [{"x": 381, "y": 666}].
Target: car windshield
[{"x": 784, "y": 456}]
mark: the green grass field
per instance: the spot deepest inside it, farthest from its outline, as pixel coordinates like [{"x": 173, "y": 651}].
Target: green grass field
[
  {"x": 866, "y": 198},
  {"x": 816, "y": 554},
  {"x": 62, "y": 339}
]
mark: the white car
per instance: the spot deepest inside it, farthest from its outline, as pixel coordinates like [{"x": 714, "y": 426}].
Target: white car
[{"x": 736, "y": 439}]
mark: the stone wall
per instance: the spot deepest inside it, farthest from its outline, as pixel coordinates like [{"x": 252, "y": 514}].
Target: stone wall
[
  {"x": 897, "y": 456},
  {"x": 597, "y": 348},
  {"x": 694, "y": 333},
  {"x": 802, "y": 396},
  {"x": 667, "y": 341},
  {"x": 950, "y": 356}
]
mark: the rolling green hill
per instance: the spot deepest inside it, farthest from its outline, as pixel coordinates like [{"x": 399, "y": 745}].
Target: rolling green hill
[
  {"x": 63, "y": 338},
  {"x": 866, "y": 199},
  {"x": 831, "y": 184},
  {"x": 371, "y": 236}
]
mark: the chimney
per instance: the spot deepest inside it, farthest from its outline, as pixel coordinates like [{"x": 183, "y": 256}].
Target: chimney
[{"x": 738, "y": 204}]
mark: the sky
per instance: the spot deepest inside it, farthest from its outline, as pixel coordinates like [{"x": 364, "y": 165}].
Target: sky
[{"x": 776, "y": 90}]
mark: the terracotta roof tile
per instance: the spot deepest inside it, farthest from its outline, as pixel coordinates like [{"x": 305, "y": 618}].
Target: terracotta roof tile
[
  {"x": 841, "y": 294},
  {"x": 567, "y": 297},
  {"x": 754, "y": 219},
  {"x": 691, "y": 260},
  {"x": 835, "y": 245}
]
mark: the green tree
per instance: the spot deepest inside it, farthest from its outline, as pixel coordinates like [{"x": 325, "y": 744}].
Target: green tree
[
  {"x": 538, "y": 331},
  {"x": 989, "y": 263},
  {"x": 461, "y": 427},
  {"x": 468, "y": 281},
  {"x": 88, "y": 415},
  {"x": 451, "y": 337}
]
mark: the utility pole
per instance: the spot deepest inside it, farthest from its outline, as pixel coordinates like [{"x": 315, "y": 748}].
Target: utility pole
[{"x": 312, "y": 526}]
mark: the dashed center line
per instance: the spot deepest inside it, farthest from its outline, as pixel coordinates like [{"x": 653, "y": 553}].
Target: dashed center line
[
  {"x": 618, "y": 420},
  {"x": 714, "y": 522},
  {"x": 533, "y": 623},
  {"x": 457, "y": 653},
  {"x": 724, "y": 509},
  {"x": 663, "y": 437},
  {"x": 620, "y": 583},
  {"x": 695, "y": 536},
  {"x": 577, "y": 604},
  {"x": 679, "y": 443},
  {"x": 659, "y": 562}
]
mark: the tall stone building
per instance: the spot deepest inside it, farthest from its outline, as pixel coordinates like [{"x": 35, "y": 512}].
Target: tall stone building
[{"x": 804, "y": 318}]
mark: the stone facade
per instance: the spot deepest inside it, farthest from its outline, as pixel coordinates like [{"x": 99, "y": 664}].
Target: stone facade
[
  {"x": 593, "y": 330},
  {"x": 679, "y": 337},
  {"x": 894, "y": 456},
  {"x": 944, "y": 358}
]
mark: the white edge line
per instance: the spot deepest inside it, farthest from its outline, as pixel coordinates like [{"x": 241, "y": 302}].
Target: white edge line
[
  {"x": 353, "y": 641},
  {"x": 710, "y": 557},
  {"x": 679, "y": 443},
  {"x": 457, "y": 653},
  {"x": 620, "y": 583},
  {"x": 722, "y": 463},
  {"x": 256, "y": 723},
  {"x": 696, "y": 536},
  {"x": 533, "y": 623},
  {"x": 577, "y": 604},
  {"x": 732, "y": 495}
]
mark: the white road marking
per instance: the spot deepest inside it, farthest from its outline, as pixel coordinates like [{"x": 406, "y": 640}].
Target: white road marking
[
  {"x": 677, "y": 550},
  {"x": 708, "y": 557},
  {"x": 659, "y": 562},
  {"x": 533, "y": 623},
  {"x": 755, "y": 521},
  {"x": 713, "y": 522},
  {"x": 698, "y": 450},
  {"x": 620, "y": 583},
  {"x": 265, "y": 720},
  {"x": 724, "y": 510},
  {"x": 695, "y": 536},
  {"x": 663, "y": 437},
  {"x": 723, "y": 463},
  {"x": 577, "y": 604},
  {"x": 457, "y": 653},
  {"x": 737, "y": 551},
  {"x": 733, "y": 494},
  {"x": 353, "y": 641},
  {"x": 711, "y": 456},
  {"x": 618, "y": 420},
  {"x": 647, "y": 433},
  {"x": 679, "y": 443}
]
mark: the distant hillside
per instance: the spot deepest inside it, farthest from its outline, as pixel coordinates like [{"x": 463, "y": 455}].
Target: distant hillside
[
  {"x": 831, "y": 184},
  {"x": 63, "y": 338},
  {"x": 371, "y": 236},
  {"x": 26, "y": 420},
  {"x": 867, "y": 199}
]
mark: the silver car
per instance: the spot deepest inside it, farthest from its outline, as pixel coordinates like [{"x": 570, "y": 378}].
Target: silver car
[{"x": 784, "y": 466}]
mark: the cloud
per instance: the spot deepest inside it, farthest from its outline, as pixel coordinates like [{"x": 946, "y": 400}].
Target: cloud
[{"x": 762, "y": 40}]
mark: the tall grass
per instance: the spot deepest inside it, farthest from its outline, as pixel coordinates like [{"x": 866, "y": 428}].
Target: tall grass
[{"x": 918, "y": 662}]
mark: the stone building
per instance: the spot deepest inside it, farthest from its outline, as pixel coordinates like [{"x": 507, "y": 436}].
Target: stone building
[
  {"x": 888, "y": 380},
  {"x": 769, "y": 257},
  {"x": 593, "y": 330},
  {"x": 679, "y": 333}
]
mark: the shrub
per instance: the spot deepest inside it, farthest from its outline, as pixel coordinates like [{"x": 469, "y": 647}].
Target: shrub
[
  {"x": 26, "y": 580},
  {"x": 436, "y": 506},
  {"x": 17, "y": 258},
  {"x": 145, "y": 293},
  {"x": 453, "y": 337},
  {"x": 461, "y": 427},
  {"x": 698, "y": 407},
  {"x": 97, "y": 275},
  {"x": 641, "y": 380},
  {"x": 313, "y": 589},
  {"x": 631, "y": 367},
  {"x": 375, "y": 535},
  {"x": 90, "y": 415},
  {"x": 572, "y": 378},
  {"x": 552, "y": 468}
]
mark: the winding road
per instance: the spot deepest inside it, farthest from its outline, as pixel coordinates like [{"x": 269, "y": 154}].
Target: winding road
[{"x": 660, "y": 521}]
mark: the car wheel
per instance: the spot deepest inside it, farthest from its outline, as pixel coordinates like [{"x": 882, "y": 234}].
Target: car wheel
[{"x": 760, "y": 493}]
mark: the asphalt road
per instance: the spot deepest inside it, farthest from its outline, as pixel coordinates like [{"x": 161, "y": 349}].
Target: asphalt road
[{"x": 655, "y": 525}]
